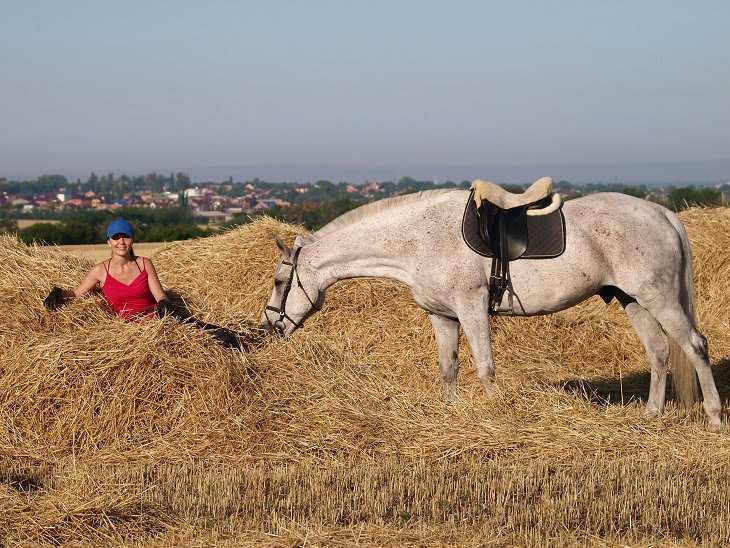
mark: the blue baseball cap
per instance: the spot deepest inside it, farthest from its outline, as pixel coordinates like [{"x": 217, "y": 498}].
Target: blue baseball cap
[{"x": 119, "y": 226}]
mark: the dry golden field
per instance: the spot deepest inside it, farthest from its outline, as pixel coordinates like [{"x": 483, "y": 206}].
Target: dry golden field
[
  {"x": 99, "y": 252},
  {"x": 151, "y": 434},
  {"x": 25, "y": 223}
]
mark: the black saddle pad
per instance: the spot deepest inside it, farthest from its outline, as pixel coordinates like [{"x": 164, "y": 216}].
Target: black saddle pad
[{"x": 545, "y": 233}]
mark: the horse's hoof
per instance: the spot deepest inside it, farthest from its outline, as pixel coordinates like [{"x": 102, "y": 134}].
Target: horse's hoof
[
  {"x": 714, "y": 427},
  {"x": 651, "y": 414},
  {"x": 448, "y": 396},
  {"x": 490, "y": 391}
]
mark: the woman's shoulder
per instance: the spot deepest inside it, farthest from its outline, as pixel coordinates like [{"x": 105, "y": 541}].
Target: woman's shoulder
[
  {"x": 100, "y": 269},
  {"x": 144, "y": 261}
]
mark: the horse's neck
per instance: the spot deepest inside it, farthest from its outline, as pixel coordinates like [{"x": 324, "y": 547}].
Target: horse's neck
[
  {"x": 386, "y": 244},
  {"x": 346, "y": 254}
]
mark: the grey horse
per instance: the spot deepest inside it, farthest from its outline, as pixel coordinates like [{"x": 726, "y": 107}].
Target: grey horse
[{"x": 616, "y": 245}]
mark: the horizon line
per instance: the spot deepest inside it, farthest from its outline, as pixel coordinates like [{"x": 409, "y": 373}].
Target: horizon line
[{"x": 652, "y": 173}]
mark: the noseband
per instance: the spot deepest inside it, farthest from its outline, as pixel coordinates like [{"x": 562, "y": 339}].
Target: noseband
[{"x": 278, "y": 325}]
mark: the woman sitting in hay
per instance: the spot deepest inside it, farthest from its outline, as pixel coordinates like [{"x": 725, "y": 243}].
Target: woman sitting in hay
[{"x": 131, "y": 286}]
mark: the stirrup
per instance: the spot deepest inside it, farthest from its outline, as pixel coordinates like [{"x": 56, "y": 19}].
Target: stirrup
[
  {"x": 508, "y": 310},
  {"x": 498, "y": 286}
]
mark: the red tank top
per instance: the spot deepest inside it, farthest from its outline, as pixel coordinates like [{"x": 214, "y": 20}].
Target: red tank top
[{"x": 128, "y": 300}]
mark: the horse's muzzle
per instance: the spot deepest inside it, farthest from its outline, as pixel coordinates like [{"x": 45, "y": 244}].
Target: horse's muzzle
[
  {"x": 280, "y": 328},
  {"x": 277, "y": 326}
]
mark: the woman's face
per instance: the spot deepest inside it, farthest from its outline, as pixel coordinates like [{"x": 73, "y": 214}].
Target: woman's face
[{"x": 120, "y": 244}]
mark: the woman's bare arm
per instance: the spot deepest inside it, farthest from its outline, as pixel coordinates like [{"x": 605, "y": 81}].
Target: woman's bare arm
[
  {"x": 154, "y": 281},
  {"x": 94, "y": 277}
]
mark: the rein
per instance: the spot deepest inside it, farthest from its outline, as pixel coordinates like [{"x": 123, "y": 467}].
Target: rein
[{"x": 278, "y": 325}]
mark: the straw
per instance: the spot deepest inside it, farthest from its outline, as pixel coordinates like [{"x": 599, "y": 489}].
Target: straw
[{"x": 84, "y": 394}]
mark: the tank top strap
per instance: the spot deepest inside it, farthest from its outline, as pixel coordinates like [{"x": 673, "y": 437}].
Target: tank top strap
[{"x": 135, "y": 262}]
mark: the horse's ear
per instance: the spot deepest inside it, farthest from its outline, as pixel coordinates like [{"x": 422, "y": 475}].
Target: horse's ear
[
  {"x": 282, "y": 246},
  {"x": 298, "y": 241}
]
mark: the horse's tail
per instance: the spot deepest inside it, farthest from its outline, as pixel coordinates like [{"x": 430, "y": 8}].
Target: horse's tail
[{"x": 684, "y": 376}]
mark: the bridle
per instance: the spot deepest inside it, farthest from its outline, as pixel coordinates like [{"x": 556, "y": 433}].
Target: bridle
[{"x": 278, "y": 325}]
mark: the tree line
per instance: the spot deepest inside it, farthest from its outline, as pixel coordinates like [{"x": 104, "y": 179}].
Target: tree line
[
  {"x": 106, "y": 185},
  {"x": 88, "y": 226}
]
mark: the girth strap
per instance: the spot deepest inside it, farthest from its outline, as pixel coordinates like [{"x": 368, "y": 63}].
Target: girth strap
[
  {"x": 499, "y": 279},
  {"x": 505, "y": 231}
]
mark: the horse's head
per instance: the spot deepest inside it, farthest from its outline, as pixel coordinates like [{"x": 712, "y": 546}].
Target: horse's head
[{"x": 294, "y": 299}]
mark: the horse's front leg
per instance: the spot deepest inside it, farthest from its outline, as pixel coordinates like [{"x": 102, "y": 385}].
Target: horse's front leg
[
  {"x": 446, "y": 331},
  {"x": 474, "y": 320}
]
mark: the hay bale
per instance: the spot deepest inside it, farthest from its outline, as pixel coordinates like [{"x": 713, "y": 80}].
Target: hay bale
[{"x": 359, "y": 382}]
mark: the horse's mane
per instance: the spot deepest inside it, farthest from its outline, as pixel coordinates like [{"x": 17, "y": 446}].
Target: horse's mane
[{"x": 371, "y": 209}]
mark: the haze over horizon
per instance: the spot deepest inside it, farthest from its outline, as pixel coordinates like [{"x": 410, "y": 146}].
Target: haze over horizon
[
  {"x": 288, "y": 91},
  {"x": 664, "y": 173},
  {"x": 647, "y": 173}
]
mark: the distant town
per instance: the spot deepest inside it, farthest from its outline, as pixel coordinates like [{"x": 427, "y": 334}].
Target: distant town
[
  {"x": 213, "y": 204},
  {"x": 220, "y": 201}
]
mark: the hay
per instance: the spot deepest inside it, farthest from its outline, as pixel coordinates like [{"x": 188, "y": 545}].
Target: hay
[{"x": 358, "y": 387}]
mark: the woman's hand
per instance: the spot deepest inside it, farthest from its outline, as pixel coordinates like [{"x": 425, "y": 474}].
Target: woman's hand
[{"x": 54, "y": 299}]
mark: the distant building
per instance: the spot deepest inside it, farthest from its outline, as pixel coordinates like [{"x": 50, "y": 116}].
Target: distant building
[
  {"x": 266, "y": 204},
  {"x": 79, "y": 200}
]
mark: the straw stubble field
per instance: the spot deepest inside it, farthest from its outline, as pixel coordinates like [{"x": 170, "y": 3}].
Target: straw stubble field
[{"x": 151, "y": 434}]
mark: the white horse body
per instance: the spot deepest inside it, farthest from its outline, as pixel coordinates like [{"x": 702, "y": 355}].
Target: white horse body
[{"x": 636, "y": 249}]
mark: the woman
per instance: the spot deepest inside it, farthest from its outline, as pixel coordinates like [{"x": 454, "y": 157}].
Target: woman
[
  {"x": 129, "y": 283},
  {"x": 131, "y": 286}
]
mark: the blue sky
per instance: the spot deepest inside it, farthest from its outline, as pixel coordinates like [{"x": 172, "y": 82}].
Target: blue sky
[{"x": 627, "y": 91}]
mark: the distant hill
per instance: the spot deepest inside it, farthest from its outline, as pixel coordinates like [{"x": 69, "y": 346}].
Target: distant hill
[{"x": 654, "y": 173}]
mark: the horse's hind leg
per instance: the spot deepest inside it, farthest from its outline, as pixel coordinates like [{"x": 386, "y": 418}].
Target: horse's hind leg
[
  {"x": 693, "y": 346},
  {"x": 446, "y": 331},
  {"x": 655, "y": 343}
]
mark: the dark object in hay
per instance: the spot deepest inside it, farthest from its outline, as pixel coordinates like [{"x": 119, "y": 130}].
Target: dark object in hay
[
  {"x": 225, "y": 336},
  {"x": 54, "y": 300}
]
